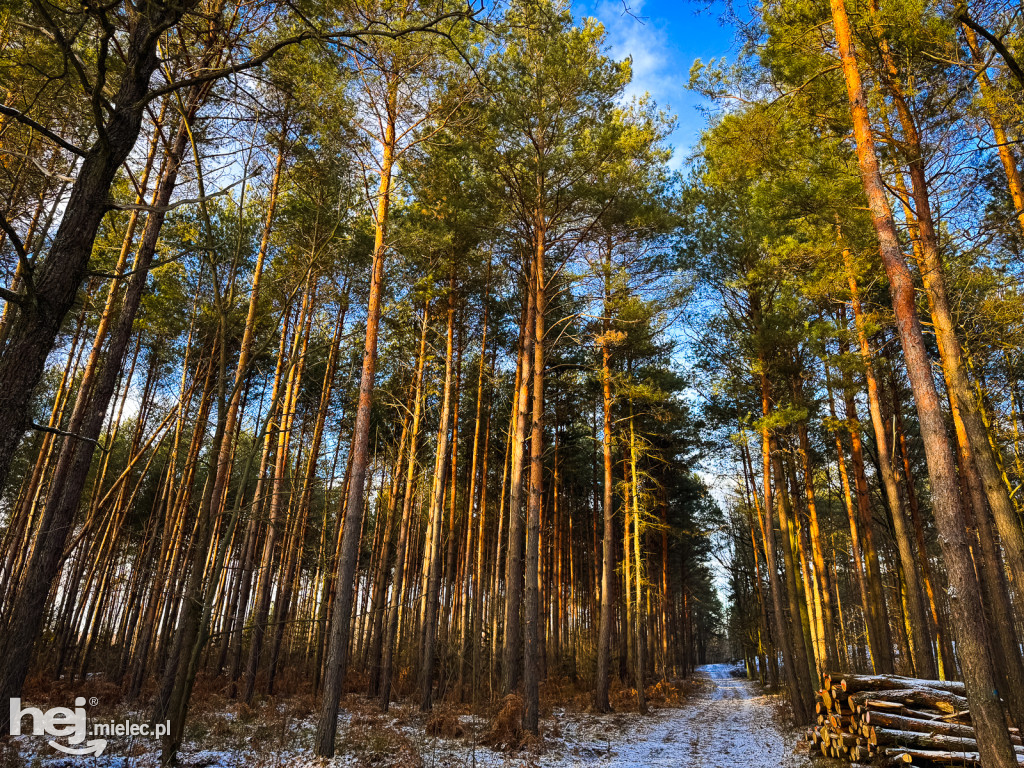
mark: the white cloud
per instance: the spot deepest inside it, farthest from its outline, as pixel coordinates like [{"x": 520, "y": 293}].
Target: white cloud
[
  {"x": 662, "y": 53},
  {"x": 632, "y": 34}
]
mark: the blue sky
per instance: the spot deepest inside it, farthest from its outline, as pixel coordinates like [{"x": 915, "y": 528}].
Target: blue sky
[{"x": 664, "y": 37}]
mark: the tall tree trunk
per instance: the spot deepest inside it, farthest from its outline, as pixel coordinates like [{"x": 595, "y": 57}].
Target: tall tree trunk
[
  {"x": 531, "y": 602},
  {"x": 968, "y": 616},
  {"x": 922, "y": 227},
  {"x": 380, "y": 585},
  {"x": 823, "y": 581},
  {"x": 882, "y": 651},
  {"x": 278, "y": 504},
  {"x": 398, "y": 585},
  {"x": 783, "y": 628},
  {"x": 604, "y": 641},
  {"x": 512, "y": 656},
  {"x": 53, "y": 285},
  {"x": 923, "y": 658},
  {"x": 337, "y": 657},
  {"x": 851, "y": 514},
  {"x": 435, "y": 516},
  {"x": 639, "y": 616},
  {"x": 25, "y": 619},
  {"x": 477, "y": 502}
]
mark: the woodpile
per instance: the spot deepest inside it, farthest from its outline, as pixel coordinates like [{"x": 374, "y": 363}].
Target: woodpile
[{"x": 892, "y": 720}]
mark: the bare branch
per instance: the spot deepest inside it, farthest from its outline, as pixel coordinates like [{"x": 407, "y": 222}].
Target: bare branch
[
  {"x": 340, "y": 38},
  {"x": 176, "y": 204},
  {"x": 19, "y": 248},
  {"x": 39, "y": 166},
  {"x": 26, "y": 120},
  {"x": 62, "y": 433},
  {"x": 997, "y": 43}
]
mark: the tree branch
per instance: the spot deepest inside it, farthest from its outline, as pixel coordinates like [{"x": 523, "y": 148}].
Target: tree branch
[
  {"x": 11, "y": 297},
  {"x": 19, "y": 248},
  {"x": 39, "y": 166},
  {"x": 176, "y": 204},
  {"x": 312, "y": 34},
  {"x": 62, "y": 433},
  {"x": 26, "y": 120},
  {"x": 1012, "y": 63}
]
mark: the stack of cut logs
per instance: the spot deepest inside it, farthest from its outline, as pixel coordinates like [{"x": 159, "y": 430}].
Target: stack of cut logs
[{"x": 896, "y": 721}]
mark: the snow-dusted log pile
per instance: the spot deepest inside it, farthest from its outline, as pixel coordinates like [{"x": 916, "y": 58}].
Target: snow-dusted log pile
[{"x": 903, "y": 720}]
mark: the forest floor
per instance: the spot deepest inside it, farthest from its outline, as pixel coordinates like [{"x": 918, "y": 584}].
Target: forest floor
[{"x": 723, "y": 722}]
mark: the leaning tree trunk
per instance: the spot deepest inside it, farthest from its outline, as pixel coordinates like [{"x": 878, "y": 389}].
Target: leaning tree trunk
[
  {"x": 924, "y": 660},
  {"x": 1013, "y": 178},
  {"x": 965, "y": 603},
  {"x": 52, "y": 286},
  {"x": 25, "y": 620}
]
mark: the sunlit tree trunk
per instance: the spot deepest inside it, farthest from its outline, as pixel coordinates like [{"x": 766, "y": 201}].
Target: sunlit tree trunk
[
  {"x": 435, "y": 517},
  {"x": 512, "y": 654},
  {"x": 968, "y": 617},
  {"x": 604, "y": 641},
  {"x": 337, "y": 655},
  {"x": 401, "y": 552},
  {"x": 923, "y": 658}
]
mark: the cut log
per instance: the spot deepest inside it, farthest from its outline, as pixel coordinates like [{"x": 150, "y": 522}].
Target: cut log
[
  {"x": 855, "y": 683},
  {"x": 927, "y": 698},
  {"x": 900, "y": 720},
  {"x": 895, "y": 708},
  {"x": 901, "y": 723},
  {"x": 971, "y": 759},
  {"x": 888, "y": 737},
  {"x": 826, "y": 699}
]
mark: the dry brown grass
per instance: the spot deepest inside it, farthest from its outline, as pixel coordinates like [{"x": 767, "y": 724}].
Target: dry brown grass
[
  {"x": 356, "y": 682},
  {"x": 506, "y": 732},
  {"x": 43, "y": 689},
  {"x": 379, "y": 746},
  {"x": 446, "y": 725},
  {"x": 661, "y": 695}
]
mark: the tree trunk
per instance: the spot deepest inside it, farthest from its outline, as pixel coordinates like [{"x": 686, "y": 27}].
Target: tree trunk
[
  {"x": 53, "y": 285},
  {"x": 398, "y": 585},
  {"x": 337, "y": 657},
  {"x": 512, "y": 656},
  {"x": 604, "y": 641},
  {"x": 923, "y": 658},
  {"x": 967, "y": 614},
  {"x": 531, "y": 606},
  {"x": 25, "y": 619},
  {"x": 435, "y": 516}
]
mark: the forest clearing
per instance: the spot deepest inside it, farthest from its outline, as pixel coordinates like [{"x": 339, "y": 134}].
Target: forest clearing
[{"x": 410, "y": 382}]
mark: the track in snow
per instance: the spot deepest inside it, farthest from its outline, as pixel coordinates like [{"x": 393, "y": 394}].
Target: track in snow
[{"x": 728, "y": 723}]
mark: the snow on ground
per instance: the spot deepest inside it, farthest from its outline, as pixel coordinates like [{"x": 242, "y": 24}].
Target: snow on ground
[{"x": 726, "y": 723}]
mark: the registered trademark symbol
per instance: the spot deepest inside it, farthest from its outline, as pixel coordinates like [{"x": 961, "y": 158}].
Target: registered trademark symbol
[{"x": 93, "y": 701}]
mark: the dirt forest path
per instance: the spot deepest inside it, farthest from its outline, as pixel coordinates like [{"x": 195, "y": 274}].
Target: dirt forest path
[{"x": 728, "y": 723}]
